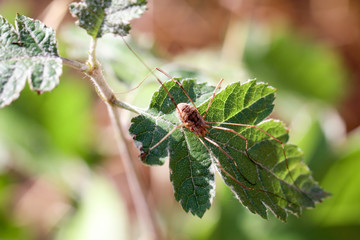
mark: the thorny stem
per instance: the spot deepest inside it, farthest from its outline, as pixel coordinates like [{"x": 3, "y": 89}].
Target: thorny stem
[
  {"x": 143, "y": 209},
  {"x": 93, "y": 70}
]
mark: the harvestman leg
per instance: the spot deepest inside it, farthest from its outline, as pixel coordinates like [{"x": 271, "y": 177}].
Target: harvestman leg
[
  {"x": 167, "y": 135},
  {"x": 230, "y": 157},
  {"x": 213, "y": 96},
  {"x": 152, "y": 72},
  {"x": 171, "y": 78},
  {"x": 246, "y": 140}
]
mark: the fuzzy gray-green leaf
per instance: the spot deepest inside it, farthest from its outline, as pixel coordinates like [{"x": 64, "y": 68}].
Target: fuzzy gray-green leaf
[
  {"x": 99, "y": 17},
  {"x": 262, "y": 173},
  {"x": 28, "y": 52}
]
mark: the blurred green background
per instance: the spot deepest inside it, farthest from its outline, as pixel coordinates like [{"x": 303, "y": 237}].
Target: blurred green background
[{"x": 60, "y": 173}]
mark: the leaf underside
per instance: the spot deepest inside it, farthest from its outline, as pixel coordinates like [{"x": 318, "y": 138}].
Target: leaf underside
[
  {"x": 28, "y": 52},
  {"x": 99, "y": 17},
  {"x": 262, "y": 179}
]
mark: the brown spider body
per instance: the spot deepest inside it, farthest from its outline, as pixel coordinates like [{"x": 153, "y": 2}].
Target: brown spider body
[{"x": 192, "y": 119}]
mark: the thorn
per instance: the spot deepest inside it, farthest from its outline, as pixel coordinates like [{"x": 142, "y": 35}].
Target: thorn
[
  {"x": 20, "y": 44},
  {"x": 143, "y": 156}
]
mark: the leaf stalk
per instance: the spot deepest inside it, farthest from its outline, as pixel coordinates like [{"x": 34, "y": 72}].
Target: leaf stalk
[
  {"x": 74, "y": 64},
  {"x": 92, "y": 62}
]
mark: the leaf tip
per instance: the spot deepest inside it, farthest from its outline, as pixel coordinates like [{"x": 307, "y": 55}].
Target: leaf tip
[
  {"x": 199, "y": 214},
  {"x": 19, "y": 16}
]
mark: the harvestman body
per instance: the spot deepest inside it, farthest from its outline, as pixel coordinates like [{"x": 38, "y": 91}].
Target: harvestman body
[{"x": 192, "y": 119}]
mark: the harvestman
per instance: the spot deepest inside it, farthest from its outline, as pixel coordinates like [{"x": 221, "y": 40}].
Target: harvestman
[
  {"x": 192, "y": 120},
  {"x": 196, "y": 123}
]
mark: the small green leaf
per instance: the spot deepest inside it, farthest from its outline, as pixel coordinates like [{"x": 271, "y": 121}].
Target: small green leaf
[
  {"x": 99, "y": 17},
  {"x": 257, "y": 174},
  {"x": 27, "y": 52}
]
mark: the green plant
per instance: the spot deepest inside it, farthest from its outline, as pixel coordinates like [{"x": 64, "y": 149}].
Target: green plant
[{"x": 252, "y": 155}]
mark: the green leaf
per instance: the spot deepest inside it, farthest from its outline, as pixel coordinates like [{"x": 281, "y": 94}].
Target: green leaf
[
  {"x": 258, "y": 174},
  {"x": 99, "y": 17},
  {"x": 27, "y": 52}
]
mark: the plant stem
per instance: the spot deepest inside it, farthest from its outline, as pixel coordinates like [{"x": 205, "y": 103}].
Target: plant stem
[
  {"x": 142, "y": 208},
  {"x": 93, "y": 70}
]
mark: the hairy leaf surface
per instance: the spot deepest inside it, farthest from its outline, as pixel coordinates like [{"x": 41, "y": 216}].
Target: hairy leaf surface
[
  {"x": 99, "y": 17},
  {"x": 257, "y": 174},
  {"x": 27, "y": 52}
]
